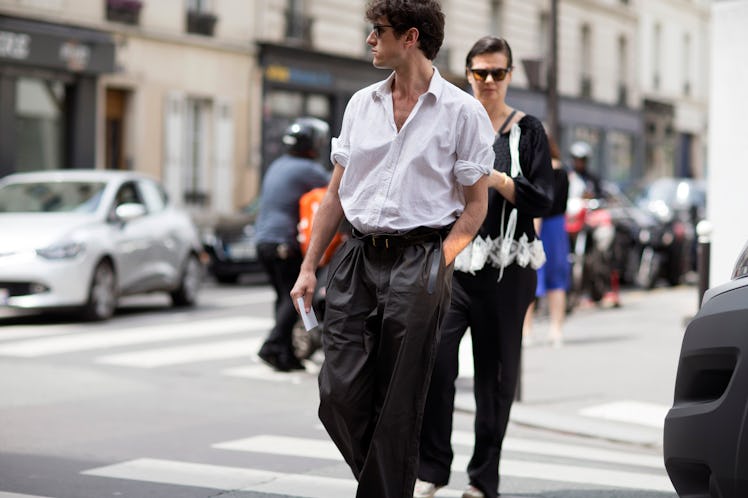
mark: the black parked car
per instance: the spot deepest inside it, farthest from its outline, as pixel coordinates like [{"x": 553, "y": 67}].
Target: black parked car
[
  {"x": 705, "y": 441},
  {"x": 230, "y": 242},
  {"x": 679, "y": 204}
]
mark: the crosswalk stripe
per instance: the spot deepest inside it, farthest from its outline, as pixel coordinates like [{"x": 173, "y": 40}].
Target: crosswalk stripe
[
  {"x": 176, "y": 355},
  {"x": 635, "y": 412},
  {"x": 233, "y": 478},
  {"x": 262, "y": 372},
  {"x": 324, "y": 449},
  {"x": 132, "y": 336},
  {"x": 584, "y": 475},
  {"x": 14, "y": 333},
  {"x": 18, "y": 495},
  {"x": 233, "y": 300},
  {"x": 316, "y": 448},
  {"x": 567, "y": 451}
]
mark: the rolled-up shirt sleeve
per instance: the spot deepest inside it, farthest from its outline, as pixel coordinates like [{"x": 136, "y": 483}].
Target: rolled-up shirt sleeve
[
  {"x": 340, "y": 147},
  {"x": 475, "y": 155}
]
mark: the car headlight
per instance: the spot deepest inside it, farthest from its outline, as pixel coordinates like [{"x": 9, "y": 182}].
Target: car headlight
[
  {"x": 741, "y": 265},
  {"x": 65, "y": 250}
]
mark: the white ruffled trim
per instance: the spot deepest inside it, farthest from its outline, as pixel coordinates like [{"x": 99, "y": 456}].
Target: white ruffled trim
[{"x": 500, "y": 253}]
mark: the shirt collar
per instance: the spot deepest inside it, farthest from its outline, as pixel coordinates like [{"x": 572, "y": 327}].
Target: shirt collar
[{"x": 384, "y": 89}]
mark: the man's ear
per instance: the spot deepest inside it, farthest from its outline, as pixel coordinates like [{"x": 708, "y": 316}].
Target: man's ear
[{"x": 411, "y": 37}]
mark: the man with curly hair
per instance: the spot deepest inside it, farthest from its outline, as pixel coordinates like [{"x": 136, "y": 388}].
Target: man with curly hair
[{"x": 410, "y": 175}]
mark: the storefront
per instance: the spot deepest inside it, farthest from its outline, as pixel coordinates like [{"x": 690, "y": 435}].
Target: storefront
[
  {"x": 614, "y": 132},
  {"x": 48, "y": 94},
  {"x": 299, "y": 82}
]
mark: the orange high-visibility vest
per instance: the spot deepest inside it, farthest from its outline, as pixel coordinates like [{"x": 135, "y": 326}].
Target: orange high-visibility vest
[{"x": 308, "y": 205}]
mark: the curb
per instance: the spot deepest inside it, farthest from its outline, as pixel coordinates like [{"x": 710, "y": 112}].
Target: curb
[{"x": 558, "y": 421}]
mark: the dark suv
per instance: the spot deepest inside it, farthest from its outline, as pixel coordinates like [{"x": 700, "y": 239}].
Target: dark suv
[{"x": 705, "y": 437}]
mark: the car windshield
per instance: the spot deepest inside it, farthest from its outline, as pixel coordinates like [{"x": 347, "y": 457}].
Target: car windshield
[{"x": 51, "y": 197}]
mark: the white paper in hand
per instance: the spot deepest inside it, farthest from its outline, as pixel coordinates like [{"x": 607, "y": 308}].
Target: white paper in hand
[{"x": 309, "y": 319}]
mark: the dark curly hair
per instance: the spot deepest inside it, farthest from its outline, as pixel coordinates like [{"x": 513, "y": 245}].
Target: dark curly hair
[
  {"x": 424, "y": 15},
  {"x": 489, "y": 45}
]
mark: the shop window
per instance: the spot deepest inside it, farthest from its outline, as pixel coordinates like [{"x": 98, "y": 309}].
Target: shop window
[
  {"x": 620, "y": 156},
  {"x": 200, "y": 18},
  {"x": 40, "y": 128},
  {"x": 281, "y": 108},
  {"x": 123, "y": 11}
]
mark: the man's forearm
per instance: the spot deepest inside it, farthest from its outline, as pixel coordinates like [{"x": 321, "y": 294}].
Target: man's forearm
[{"x": 467, "y": 225}]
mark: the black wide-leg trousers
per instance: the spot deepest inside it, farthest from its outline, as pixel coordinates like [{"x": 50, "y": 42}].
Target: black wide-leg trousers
[
  {"x": 495, "y": 315},
  {"x": 383, "y": 311}
]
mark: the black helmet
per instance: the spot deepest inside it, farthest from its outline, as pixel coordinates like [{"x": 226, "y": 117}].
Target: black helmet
[{"x": 307, "y": 137}]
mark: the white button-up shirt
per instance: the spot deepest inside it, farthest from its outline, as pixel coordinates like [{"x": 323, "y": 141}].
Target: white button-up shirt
[{"x": 396, "y": 181}]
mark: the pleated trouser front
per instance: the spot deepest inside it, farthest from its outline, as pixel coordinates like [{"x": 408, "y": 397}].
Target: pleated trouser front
[{"x": 382, "y": 318}]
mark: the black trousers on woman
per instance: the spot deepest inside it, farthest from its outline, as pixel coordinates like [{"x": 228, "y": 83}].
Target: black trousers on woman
[
  {"x": 385, "y": 303},
  {"x": 495, "y": 313}
]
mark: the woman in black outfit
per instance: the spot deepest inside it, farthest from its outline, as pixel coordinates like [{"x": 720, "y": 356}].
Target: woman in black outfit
[{"x": 494, "y": 282}]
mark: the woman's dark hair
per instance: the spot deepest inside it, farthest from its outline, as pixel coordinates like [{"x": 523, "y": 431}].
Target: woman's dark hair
[
  {"x": 489, "y": 45},
  {"x": 424, "y": 15}
]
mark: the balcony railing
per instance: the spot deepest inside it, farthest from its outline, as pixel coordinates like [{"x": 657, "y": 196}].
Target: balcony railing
[
  {"x": 201, "y": 23},
  {"x": 124, "y": 11}
]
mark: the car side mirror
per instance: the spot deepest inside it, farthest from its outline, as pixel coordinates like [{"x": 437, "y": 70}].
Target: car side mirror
[{"x": 129, "y": 211}]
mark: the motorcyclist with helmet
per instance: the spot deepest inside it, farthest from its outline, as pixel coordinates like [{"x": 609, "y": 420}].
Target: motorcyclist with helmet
[
  {"x": 286, "y": 180},
  {"x": 582, "y": 182},
  {"x": 594, "y": 246}
]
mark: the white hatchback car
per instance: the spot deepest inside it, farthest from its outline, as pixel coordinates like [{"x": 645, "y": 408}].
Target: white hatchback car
[{"x": 82, "y": 238}]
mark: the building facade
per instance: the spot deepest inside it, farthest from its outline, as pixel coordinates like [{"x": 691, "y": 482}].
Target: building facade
[
  {"x": 674, "y": 37},
  {"x": 198, "y": 92}
]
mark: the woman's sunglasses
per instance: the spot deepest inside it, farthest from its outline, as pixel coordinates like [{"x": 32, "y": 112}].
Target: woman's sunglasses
[{"x": 498, "y": 74}]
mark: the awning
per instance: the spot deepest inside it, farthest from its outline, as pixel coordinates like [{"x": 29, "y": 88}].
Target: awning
[{"x": 55, "y": 46}]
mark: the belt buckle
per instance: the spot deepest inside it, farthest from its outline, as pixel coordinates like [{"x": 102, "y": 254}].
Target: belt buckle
[{"x": 386, "y": 240}]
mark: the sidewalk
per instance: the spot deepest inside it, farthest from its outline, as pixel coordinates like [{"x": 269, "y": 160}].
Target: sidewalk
[{"x": 614, "y": 376}]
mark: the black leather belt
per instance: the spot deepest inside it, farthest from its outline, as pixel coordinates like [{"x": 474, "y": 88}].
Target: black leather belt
[{"x": 396, "y": 240}]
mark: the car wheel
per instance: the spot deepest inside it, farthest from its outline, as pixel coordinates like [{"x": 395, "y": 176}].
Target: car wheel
[
  {"x": 189, "y": 283},
  {"x": 102, "y": 295}
]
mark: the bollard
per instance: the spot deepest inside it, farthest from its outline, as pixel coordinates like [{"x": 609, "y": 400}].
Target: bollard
[{"x": 704, "y": 231}]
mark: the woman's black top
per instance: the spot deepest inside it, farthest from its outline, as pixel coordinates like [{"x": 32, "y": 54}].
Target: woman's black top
[{"x": 533, "y": 187}]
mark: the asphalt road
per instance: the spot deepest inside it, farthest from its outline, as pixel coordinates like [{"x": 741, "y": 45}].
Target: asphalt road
[{"x": 164, "y": 403}]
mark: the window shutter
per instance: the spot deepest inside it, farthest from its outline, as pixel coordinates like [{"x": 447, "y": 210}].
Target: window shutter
[
  {"x": 174, "y": 145},
  {"x": 223, "y": 179}
]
